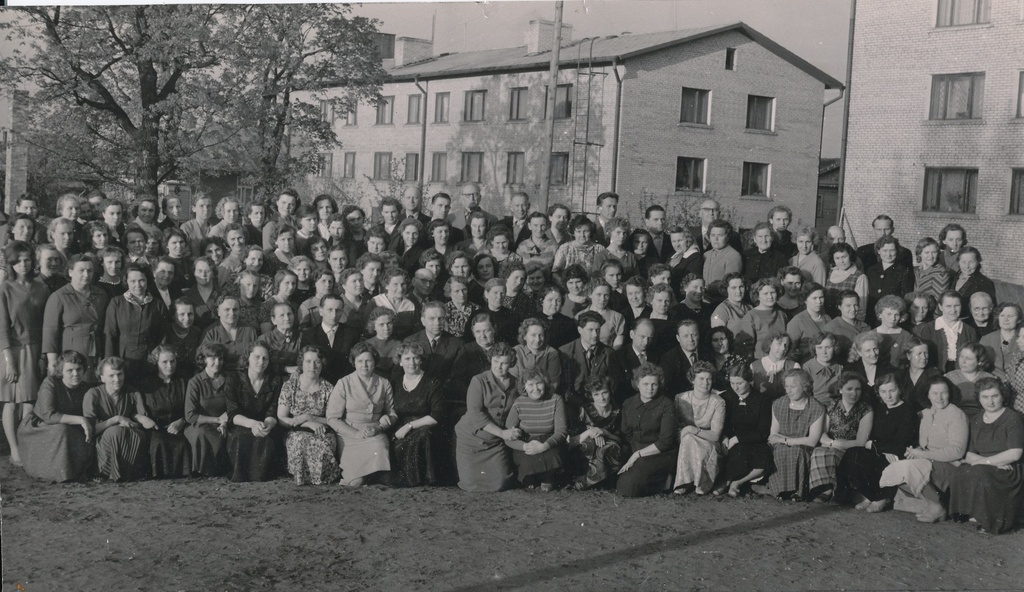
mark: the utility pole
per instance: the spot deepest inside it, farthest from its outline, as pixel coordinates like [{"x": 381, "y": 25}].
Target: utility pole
[
  {"x": 545, "y": 182},
  {"x": 846, "y": 118}
]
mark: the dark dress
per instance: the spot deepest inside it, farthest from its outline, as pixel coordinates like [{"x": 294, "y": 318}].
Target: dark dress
[
  {"x": 207, "y": 396},
  {"x": 185, "y": 347},
  {"x": 592, "y": 463},
  {"x": 254, "y": 458},
  {"x": 50, "y": 450},
  {"x": 414, "y": 458},
  {"x": 643, "y": 424},
  {"x": 892, "y": 432},
  {"x": 990, "y": 495},
  {"x": 120, "y": 451},
  {"x": 484, "y": 462},
  {"x": 169, "y": 454},
  {"x": 750, "y": 422}
]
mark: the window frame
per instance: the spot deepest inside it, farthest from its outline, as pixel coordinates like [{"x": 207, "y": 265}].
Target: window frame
[
  {"x": 442, "y": 106},
  {"x": 566, "y": 107},
  {"x": 325, "y": 164},
  {"x": 972, "y": 200},
  {"x": 700, "y": 172},
  {"x": 703, "y": 105},
  {"x": 385, "y": 111},
  {"x": 378, "y": 174},
  {"x": 982, "y": 10},
  {"x": 439, "y": 174},
  {"x": 945, "y": 81},
  {"x": 1020, "y": 96},
  {"x": 412, "y": 118},
  {"x": 563, "y": 179},
  {"x": 518, "y": 101},
  {"x": 751, "y": 100},
  {"x": 469, "y": 114},
  {"x": 730, "y": 59},
  {"x": 515, "y": 168},
  {"x": 348, "y": 170},
  {"x": 1016, "y": 191},
  {"x": 745, "y": 180},
  {"x": 350, "y": 118},
  {"x": 471, "y": 160},
  {"x": 412, "y": 164}
]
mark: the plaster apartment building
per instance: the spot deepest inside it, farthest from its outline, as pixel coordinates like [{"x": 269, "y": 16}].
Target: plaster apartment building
[
  {"x": 720, "y": 111},
  {"x": 936, "y": 128}
]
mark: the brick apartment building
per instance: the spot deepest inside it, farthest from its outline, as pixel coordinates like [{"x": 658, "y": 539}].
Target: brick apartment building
[
  {"x": 936, "y": 128},
  {"x": 722, "y": 111}
]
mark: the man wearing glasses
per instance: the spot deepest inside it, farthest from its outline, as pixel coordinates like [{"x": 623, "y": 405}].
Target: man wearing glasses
[
  {"x": 710, "y": 211},
  {"x": 470, "y": 193}
]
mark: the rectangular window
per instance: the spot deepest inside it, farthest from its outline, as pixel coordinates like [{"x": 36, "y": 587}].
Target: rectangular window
[
  {"x": 322, "y": 167},
  {"x": 1017, "y": 192},
  {"x": 760, "y": 111},
  {"x": 756, "y": 176},
  {"x": 381, "y": 165},
  {"x": 517, "y": 103},
  {"x": 730, "y": 58},
  {"x": 412, "y": 166},
  {"x": 386, "y": 111},
  {"x": 694, "y": 106},
  {"x": 441, "y": 102},
  {"x": 516, "y": 171},
  {"x": 326, "y": 112},
  {"x": 350, "y": 116},
  {"x": 689, "y": 174},
  {"x": 414, "y": 109},
  {"x": 950, "y": 190},
  {"x": 957, "y": 96},
  {"x": 472, "y": 167},
  {"x": 559, "y": 168},
  {"x": 963, "y": 12},
  {"x": 1020, "y": 96},
  {"x": 474, "y": 107},
  {"x": 439, "y": 167},
  {"x": 563, "y": 102},
  {"x": 349, "y": 170}
]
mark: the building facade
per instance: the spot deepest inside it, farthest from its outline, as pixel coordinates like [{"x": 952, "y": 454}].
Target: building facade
[
  {"x": 664, "y": 118},
  {"x": 936, "y": 128}
]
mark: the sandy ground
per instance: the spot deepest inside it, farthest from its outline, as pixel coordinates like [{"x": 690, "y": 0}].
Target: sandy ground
[{"x": 210, "y": 534}]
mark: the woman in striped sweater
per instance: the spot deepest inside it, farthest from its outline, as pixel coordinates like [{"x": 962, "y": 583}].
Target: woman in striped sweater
[{"x": 540, "y": 454}]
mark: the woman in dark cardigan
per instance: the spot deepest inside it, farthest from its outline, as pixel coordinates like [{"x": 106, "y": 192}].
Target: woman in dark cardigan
[
  {"x": 649, "y": 425},
  {"x": 255, "y": 445},
  {"x": 163, "y": 393},
  {"x": 135, "y": 323}
]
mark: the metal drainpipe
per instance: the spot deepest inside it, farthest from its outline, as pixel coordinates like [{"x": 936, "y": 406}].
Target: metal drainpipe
[
  {"x": 840, "y": 208},
  {"x": 423, "y": 132},
  {"x": 615, "y": 125}
]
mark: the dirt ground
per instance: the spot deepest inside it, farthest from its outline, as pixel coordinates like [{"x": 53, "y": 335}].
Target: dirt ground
[{"x": 210, "y": 534}]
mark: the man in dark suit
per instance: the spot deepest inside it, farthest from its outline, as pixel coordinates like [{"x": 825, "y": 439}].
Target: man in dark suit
[
  {"x": 440, "y": 207},
  {"x": 677, "y": 361},
  {"x": 518, "y": 222},
  {"x": 440, "y": 348},
  {"x": 709, "y": 212},
  {"x": 391, "y": 216},
  {"x": 632, "y": 356},
  {"x": 586, "y": 357},
  {"x": 660, "y": 245},
  {"x": 333, "y": 339},
  {"x": 412, "y": 201},
  {"x": 607, "y": 208},
  {"x": 884, "y": 226},
  {"x": 470, "y": 194}
]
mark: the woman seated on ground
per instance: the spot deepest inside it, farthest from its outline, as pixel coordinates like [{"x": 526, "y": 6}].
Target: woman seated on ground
[
  {"x": 823, "y": 371},
  {"x": 56, "y": 438},
  {"x": 848, "y": 422},
  {"x": 206, "y": 412},
  {"x": 596, "y": 446},
  {"x": 119, "y": 417},
  {"x": 360, "y": 410},
  {"x": 748, "y": 424},
  {"x": 972, "y": 365},
  {"x": 761, "y": 320},
  {"x": 415, "y": 446},
  {"x": 926, "y": 470},
  {"x": 987, "y": 485},
  {"x": 867, "y": 361},
  {"x": 721, "y": 339},
  {"x": 769, "y": 369},
  {"x": 481, "y": 454},
  {"x": 649, "y": 425},
  {"x": 539, "y": 452},
  {"x": 164, "y": 395},
  {"x": 916, "y": 373},
  {"x": 893, "y": 431},
  {"x": 310, "y": 442},
  {"x": 254, "y": 445},
  {"x": 236, "y": 338},
  {"x": 808, "y": 323},
  {"x": 1002, "y": 343},
  {"x": 534, "y": 352},
  {"x": 701, "y": 414},
  {"x": 797, "y": 424}
]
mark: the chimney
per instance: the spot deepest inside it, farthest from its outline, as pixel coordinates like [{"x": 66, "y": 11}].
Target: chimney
[
  {"x": 409, "y": 50},
  {"x": 540, "y": 36}
]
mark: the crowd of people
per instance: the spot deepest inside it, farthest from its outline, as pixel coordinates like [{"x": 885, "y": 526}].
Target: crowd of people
[{"x": 543, "y": 349}]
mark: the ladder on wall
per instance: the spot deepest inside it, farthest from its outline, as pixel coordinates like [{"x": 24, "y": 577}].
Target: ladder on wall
[{"x": 585, "y": 158}]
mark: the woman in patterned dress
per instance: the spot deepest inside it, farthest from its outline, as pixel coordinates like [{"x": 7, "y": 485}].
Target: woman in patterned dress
[
  {"x": 458, "y": 309},
  {"x": 310, "y": 442},
  {"x": 931, "y": 276},
  {"x": 844, "y": 276},
  {"x": 119, "y": 417},
  {"x": 848, "y": 422},
  {"x": 596, "y": 444},
  {"x": 797, "y": 424},
  {"x": 701, "y": 413},
  {"x": 582, "y": 250}
]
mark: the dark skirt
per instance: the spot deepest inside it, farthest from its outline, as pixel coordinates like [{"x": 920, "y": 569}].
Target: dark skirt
[
  {"x": 544, "y": 464},
  {"x": 414, "y": 458},
  {"x": 56, "y": 452},
  {"x": 483, "y": 465},
  {"x": 209, "y": 455},
  {"x": 648, "y": 475},
  {"x": 743, "y": 458},
  {"x": 254, "y": 458},
  {"x": 593, "y": 464},
  {"x": 989, "y": 495},
  {"x": 859, "y": 471},
  {"x": 170, "y": 455},
  {"x": 120, "y": 453}
]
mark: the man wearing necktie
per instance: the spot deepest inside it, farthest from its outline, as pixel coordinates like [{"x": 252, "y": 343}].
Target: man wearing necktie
[
  {"x": 470, "y": 193},
  {"x": 633, "y": 355},
  {"x": 586, "y": 357},
  {"x": 519, "y": 206},
  {"x": 677, "y": 362}
]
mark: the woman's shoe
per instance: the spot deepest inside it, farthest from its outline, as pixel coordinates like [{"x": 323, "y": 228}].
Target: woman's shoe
[
  {"x": 876, "y": 507},
  {"x": 934, "y": 513},
  {"x": 863, "y": 505}
]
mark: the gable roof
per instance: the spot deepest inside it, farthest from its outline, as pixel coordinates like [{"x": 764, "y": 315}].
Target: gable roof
[{"x": 606, "y": 50}]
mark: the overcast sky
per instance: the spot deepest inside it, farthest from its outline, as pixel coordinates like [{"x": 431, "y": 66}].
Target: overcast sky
[{"x": 816, "y": 30}]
